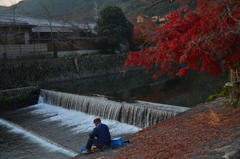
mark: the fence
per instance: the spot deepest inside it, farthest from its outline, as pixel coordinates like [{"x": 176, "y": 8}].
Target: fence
[
  {"x": 235, "y": 76},
  {"x": 23, "y": 50}
]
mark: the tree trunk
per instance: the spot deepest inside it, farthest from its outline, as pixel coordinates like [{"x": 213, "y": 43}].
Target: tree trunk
[
  {"x": 5, "y": 53},
  {"x": 55, "y": 54}
]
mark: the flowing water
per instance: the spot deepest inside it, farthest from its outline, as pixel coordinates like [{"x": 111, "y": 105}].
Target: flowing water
[
  {"x": 18, "y": 143},
  {"x": 58, "y": 126},
  {"x": 141, "y": 114},
  {"x": 50, "y": 132}
]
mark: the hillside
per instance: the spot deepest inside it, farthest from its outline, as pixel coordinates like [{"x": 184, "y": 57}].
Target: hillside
[{"x": 84, "y": 9}]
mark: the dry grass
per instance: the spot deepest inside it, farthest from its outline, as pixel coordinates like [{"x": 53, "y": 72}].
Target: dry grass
[{"x": 214, "y": 118}]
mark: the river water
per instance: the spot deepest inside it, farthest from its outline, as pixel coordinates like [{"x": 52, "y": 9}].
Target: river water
[
  {"x": 51, "y": 132},
  {"x": 187, "y": 91},
  {"x": 19, "y": 144}
]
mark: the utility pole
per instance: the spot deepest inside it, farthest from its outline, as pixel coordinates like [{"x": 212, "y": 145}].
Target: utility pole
[{"x": 96, "y": 9}]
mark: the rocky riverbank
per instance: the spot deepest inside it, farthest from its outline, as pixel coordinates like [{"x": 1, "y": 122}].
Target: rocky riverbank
[{"x": 209, "y": 130}]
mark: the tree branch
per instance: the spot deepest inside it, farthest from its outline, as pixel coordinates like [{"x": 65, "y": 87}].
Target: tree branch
[
  {"x": 155, "y": 4},
  {"x": 170, "y": 1},
  {"x": 230, "y": 14}
]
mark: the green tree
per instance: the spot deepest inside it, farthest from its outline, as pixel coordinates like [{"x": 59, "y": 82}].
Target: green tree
[{"x": 113, "y": 28}]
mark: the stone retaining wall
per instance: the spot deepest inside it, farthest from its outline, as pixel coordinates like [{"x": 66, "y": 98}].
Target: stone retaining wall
[
  {"x": 19, "y": 97},
  {"x": 35, "y": 72},
  {"x": 27, "y": 74}
]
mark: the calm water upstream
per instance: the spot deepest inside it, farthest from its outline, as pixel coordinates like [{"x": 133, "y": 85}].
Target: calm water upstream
[{"x": 187, "y": 91}]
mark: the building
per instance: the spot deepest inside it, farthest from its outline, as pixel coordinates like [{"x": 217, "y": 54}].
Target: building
[
  {"x": 14, "y": 31},
  {"x": 160, "y": 20},
  {"x": 142, "y": 18},
  {"x": 66, "y": 36}
]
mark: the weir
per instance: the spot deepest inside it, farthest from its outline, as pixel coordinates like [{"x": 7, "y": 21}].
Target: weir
[
  {"x": 40, "y": 139},
  {"x": 141, "y": 114}
]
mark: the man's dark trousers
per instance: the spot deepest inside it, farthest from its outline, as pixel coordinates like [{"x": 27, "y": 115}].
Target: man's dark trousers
[{"x": 95, "y": 142}]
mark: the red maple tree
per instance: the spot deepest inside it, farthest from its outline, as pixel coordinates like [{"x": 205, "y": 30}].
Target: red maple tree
[
  {"x": 205, "y": 38},
  {"x": 143, "y": 33}
]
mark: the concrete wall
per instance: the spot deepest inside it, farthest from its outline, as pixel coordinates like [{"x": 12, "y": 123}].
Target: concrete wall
[
  {"x": 77, "y": 52},
  {"x": 18, "y": 51},
  {"x": 69, "y": 45},
  {"x": 29, "y": 48}
]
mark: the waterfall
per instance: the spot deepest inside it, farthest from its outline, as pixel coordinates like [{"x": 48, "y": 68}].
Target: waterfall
[{"x": 141, "y": 114}]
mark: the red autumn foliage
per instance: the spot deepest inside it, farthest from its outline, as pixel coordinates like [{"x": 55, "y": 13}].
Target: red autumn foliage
[
  {"x": 143, "y": 32},
  {"x": 204, "y": 39}
]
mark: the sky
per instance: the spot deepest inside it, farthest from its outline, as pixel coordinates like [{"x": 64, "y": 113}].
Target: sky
[{"x": 8, "y": 2}]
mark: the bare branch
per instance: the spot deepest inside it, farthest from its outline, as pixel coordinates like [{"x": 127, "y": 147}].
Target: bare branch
[
  {"x": 170, "y": 1},
  {"x": 230, "y": 14},
  {"x": 155, "y": 4}
]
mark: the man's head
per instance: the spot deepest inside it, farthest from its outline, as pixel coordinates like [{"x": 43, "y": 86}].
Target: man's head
[{"x": 96, "y": 121}]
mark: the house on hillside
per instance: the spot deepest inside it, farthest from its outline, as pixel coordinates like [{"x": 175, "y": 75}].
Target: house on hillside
[
  {"x": 159, "y": 20},
  {"x": 142, "y": 18}
]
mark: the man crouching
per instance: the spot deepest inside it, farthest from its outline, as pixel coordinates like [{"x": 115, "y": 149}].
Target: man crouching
[{"x": 101, "y": 132}]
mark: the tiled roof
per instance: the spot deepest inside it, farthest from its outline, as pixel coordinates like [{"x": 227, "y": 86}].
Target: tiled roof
[{"x": 44, "y": 25}]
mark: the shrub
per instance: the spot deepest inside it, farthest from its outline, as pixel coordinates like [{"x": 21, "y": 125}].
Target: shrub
[{"x": 22, "y": 97}]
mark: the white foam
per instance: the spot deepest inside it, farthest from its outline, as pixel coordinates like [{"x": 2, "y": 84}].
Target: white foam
[
  {"x": 82, "y": 122},
  {"x": 48, "y": 146}
]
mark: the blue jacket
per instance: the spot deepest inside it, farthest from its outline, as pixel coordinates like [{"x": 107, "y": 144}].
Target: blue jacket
[{"x": 102, "y": 133}]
